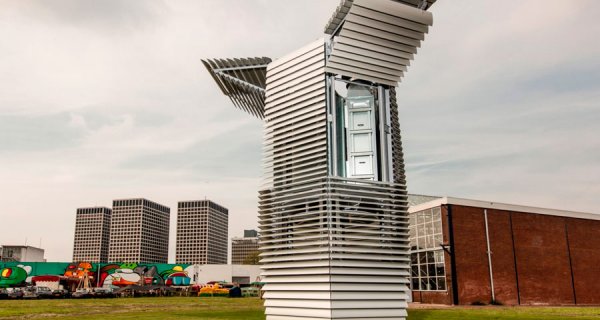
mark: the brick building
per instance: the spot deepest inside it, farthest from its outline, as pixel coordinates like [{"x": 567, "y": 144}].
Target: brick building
[{"x": 535, "y": 256}]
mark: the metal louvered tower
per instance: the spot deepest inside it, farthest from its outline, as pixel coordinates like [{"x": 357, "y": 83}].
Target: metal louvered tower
[{"x": 333, "y": 204}]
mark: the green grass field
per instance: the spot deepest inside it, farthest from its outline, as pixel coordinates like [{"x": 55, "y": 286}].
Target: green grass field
[{"x": 246, "y": 309}]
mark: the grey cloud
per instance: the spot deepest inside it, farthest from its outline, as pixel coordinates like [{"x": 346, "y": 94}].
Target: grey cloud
[
  {"x": 574, "y": 77},
  {"x": 99, "y": 117},
  {"x": 104, "y": 16},
  {"x": 235, "y": 153},
  {"x": 55, "y": 131},
  {"x": 38, "y": 133}
]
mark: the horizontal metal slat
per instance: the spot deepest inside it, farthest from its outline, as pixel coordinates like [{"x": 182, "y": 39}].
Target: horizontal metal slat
[
  {"x": 389, "y": 18},
  {"x": 385, "y": 26},
  {"x": 357, "y": 75},
  {"x": 398, "y": 9},
  {"x": 408, "y": 52}
]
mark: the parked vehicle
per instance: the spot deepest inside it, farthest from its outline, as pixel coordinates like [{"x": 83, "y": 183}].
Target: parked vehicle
[
  {"x": 43, "y": 292},
  {"x": 103, "y": 293},
  {"x": 82, "y": 293},
  {"x": 37, "y": 293},
  {"x": 3, "y": 294},
  {"x": 61, "y": 293},
  {"x": 15, "y": 293},
  {"x": 29, "y": 293},
  {"x": 214, "y": 290}
]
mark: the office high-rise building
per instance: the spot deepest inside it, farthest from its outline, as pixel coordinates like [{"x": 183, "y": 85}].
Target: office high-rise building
[
  {"x": 139, "y": 231},
  {"x": 244, "y": 250},
  {"x": 202, "y": 227},
  {"x": 92, "y": 234}
]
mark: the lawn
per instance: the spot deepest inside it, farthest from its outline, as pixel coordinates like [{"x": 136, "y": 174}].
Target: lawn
[
  {"x": 247, "y": 309},
  {"x": 134, "y": 308},
  {"x": 506, "y": 313}
]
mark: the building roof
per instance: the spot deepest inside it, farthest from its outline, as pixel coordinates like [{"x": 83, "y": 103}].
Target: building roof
[
  {"x": 205, "y": 203},
  {"x": 242, "y": 80},
  {"x": 416, "y": 199},
  {"x": 20, "y": 246},
  {"x": 98, "y": 209},
  {"x": 502, "y": 206}
]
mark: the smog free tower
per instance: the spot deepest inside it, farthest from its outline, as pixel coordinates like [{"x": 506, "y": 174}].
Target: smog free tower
[{"x": 333, "y": 205}]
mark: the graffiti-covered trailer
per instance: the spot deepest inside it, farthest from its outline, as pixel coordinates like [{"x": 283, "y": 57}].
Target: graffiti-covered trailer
[{"x": 110, "y": 275}]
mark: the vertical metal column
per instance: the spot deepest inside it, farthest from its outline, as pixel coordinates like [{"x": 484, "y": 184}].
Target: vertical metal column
[{"x": 489, "y": 254}]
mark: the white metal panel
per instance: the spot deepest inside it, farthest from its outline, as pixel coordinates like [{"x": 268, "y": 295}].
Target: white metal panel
[
  {"x": 368, "y": 61},
  {"x": 375, "y": 47},
  {"x": 342, "y": 10},
  {"x": 403, "y": 50},
  {"x": 393, "y": 20},
  {"x": 363, "y": 165},
  {"x": 376, "y": 39},
  {"x": 397, "y": 9},
  {"x": 408, "y": 45},
  {"x": 377, "y": 24},
  {"x": 361, "y": 120},
  {"x": 361, "y": 142},
  {"x": 324, "y": 313}
]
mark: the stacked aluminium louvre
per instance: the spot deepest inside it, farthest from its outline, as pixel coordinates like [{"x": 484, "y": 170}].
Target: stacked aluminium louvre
[
  {"x": 334, "y": 231},
  {"x": 336, "y": 247},
  {"x": 242, "y": 80},
  {"x": 294, "y": 202},
  {"x": 376, "y": 40},
  {"x": 332, "y": 248}
]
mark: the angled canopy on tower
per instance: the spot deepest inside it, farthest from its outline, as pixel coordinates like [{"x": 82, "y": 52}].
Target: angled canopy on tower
[
  {"x": 342, "y": 10},
  {"x": 242, "y": 80},
  {"x": 375, "y": 40}
]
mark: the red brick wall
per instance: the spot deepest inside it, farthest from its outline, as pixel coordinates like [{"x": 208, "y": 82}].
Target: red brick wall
[
  {"x": 470, "y": 255},
  {"x": 584, "y": 241},
  {"x": 432, "y": 297},
  {"x": 557, "y": 259},
  {"x": 542, "y": 259},
  {"x": 503, "y": 262}
]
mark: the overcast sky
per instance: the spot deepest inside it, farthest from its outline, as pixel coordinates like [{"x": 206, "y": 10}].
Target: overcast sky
[{"x": 101, "y": 100}]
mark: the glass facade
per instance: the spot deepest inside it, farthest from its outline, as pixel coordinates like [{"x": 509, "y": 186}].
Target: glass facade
[{"x": 427, "y": 255}]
